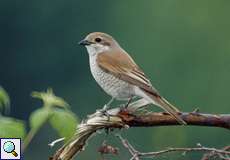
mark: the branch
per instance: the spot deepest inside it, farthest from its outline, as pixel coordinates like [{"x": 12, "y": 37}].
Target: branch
[
  {"x": 222, "y": 154},
  {"x": 164, "y": 119},
  {"x": 132, "y": 117},
  {"x": 210, "y": 155}
]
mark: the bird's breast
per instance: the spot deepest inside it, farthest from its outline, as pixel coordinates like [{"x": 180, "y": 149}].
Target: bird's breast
[{"x": 112, "y": 85}]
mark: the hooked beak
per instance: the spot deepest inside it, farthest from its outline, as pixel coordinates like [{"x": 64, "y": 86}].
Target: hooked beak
[{"x": 84, "y": 42}]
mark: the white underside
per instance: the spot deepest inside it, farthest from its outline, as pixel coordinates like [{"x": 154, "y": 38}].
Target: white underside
[{"x": 113, "y": 86}]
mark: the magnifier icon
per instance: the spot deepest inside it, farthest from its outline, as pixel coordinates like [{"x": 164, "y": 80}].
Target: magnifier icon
[{"x": 9, "y": 147}]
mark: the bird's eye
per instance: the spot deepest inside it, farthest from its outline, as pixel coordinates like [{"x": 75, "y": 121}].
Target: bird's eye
[{"x": 98, "y": 39}]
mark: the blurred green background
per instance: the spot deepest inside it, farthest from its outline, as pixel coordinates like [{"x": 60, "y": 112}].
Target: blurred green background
[{"x": 183, "y": 46}]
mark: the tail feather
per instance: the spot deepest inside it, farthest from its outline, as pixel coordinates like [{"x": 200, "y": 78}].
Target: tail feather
[
  {"x": 164, "y": 104},
  {"x": 173, "y": 107}
]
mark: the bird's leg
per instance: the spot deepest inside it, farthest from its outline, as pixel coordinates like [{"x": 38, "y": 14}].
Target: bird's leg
[
  {"x": 107, "y": 105},
  {"x": 125, "y": 106},
  {"x": 128, "y": 102}
]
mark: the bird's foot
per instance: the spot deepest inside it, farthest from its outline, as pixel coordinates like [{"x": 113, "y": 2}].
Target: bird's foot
[
  {"x": 104, "y": 111},
  {"x": 108, "y": 130},
  {"x": 123, "y": 107}
]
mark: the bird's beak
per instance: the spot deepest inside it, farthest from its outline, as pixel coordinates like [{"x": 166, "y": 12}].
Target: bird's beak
[{"x": 84, "y": 42}]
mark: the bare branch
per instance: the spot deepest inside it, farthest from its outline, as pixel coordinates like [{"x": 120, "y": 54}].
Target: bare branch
[
  {"x": 132, "y": 151},
  {"x": 56, "y": 141},
  {"x": 132, "y": 118},
  {"x": 210, "y": 155},
  {"x": 136, "y": 155},
  {"x": 164, "y": 119}
]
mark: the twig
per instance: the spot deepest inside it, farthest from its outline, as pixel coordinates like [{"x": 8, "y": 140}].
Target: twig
[
  {"x": 221, "y": 153},
  {"x": 209, "y": 155},
  {"x": 132, "y": 151},
  {"x": 56, "y": 141},
  {"x": 131, "y": 118}
]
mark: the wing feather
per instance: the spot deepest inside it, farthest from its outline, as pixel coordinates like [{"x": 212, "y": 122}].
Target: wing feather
[{"x": 121, "y": 65}]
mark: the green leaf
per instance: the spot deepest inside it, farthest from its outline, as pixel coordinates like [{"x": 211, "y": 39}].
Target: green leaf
[
  {"x": 11, "y": 128},
  {"x": 4, "y": 100},
  {"x": 39, "y": 117},
  {"x": 64, "y": 122},
  {"x": 50, "y": 99}
]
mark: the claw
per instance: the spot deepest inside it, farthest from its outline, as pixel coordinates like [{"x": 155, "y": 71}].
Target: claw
[
  {"x": 124, "y": 109},
  {"x": 104, "y": 112}
]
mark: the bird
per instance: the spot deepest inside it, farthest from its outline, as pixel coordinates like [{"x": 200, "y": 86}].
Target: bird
[{"x": 119, "y": 76}]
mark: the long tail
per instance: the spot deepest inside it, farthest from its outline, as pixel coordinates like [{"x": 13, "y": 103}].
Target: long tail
[{"x": 163, "y": 103}]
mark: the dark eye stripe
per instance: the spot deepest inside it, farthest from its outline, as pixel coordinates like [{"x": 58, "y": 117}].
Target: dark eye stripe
[{"x": 106, "y": 43}]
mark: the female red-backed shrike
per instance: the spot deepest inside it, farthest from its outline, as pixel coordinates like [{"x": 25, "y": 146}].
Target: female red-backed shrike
[{"x": 119, "y": 76}]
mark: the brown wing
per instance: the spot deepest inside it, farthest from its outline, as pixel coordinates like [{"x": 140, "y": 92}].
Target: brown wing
[{"x": 121, "y": 65}]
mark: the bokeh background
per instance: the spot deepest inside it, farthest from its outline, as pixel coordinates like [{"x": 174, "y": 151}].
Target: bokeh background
[{"x": 183, "y": 46}]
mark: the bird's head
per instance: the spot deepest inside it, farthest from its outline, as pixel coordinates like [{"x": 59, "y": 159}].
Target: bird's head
[{"x": 98, "y": 42}]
